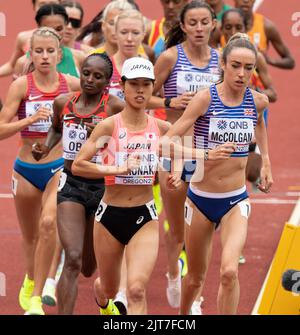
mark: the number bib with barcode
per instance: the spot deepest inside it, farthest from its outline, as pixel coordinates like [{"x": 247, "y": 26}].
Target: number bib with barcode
[
  {"x": 31, "y": 108},
  {"x": 74, "y": 137},
  {"x": 144, "y": 174},
  {"x": 239, "y": 131}
]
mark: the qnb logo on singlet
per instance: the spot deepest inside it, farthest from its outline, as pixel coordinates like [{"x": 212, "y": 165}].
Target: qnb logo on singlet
[
  {"x": 31, "y": 108},
  {"x": 239, "y": 131},
  {"x": 195, "y": 81}
]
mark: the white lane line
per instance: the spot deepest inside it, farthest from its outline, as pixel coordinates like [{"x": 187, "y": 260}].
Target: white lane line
[
  {"x": 6, "y": 195},
  {"x": 273, "y": 201}
]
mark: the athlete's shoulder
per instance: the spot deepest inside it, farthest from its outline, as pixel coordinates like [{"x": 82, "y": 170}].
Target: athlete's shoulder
[
  {"x": 62, "y": 99},
  {"x": 260, "y": 99},
  {"x": 163, "y": 126}
]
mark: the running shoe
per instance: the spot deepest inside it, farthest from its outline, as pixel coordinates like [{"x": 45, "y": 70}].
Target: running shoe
[
  {"x": 60, "y": 266},
  {"x": 242, "y": 260},
  {"x": 166, "y": 226},
  {"x": 174, "y": 289},
  {"x": 35, "y": 307},
  {"x": 157, "y": 198},
  {"x": 196, "y": 308},
  {"x": 110, "y": 309},
  {"x": 183, "y": 260},
  {"x": 48, "y": 295},
  {"x": 121, "y": 302},
  {"x": 25, "y": 293}
]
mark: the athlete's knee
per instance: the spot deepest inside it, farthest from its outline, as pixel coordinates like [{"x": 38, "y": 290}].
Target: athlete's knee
[
  {"x": 73, "y": 261},
  {"x": 48, "y": 227},
  {"x": 136, "y": 292},
  {"x": 228, "y": 276},
  {"x": 109, "y": 291},
  {"x": 194, "y": 282}
]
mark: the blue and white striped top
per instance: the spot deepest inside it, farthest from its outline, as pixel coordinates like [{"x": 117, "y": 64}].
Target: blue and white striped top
[
  {"x": 221, "y": 124},
  {"x": 186, "y": 77}
]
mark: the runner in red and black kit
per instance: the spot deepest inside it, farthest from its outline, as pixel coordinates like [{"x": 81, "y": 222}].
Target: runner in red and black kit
[{"x": 75, "y": 116}]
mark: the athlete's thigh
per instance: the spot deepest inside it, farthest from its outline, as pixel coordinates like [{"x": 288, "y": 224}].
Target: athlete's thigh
[
  {"x": 28, "y": 201},
  {"x": 175, "y": 214},
  {"x": 71, "y": 225},
  {"x": 49, "y": 200},
  {"x": 109, "y": 254},
  {"x": 141, "y": 253},
  {"x": 198, "y": 238},
  {"x": 234, "y": 227}
]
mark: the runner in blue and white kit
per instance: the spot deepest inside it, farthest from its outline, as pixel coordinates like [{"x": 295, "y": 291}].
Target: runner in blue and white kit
[
  {"x": 229, "y": 111},
  {"x": 187, "y": 66}
]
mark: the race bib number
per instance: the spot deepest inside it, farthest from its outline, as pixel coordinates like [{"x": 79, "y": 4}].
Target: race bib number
[
  {"x": 245, "y": 208},
  {"x": 31, "y": 108},
  {"x": 239, "y": 131},
  {"x": 188, "y": 213},
  {"x": 74, "y": 136},
  {"x": 188, "y": 81},
  {"x": 100, "y": 211},
  {"x": 144, "y": 174},
  {"x": 62, "y": 181},
  {"x": 152, "y": 210}
]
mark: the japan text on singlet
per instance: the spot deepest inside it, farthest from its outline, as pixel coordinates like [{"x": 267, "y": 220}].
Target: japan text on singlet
[
  {"x": 221, "y": 124},
  {"x": 186, "y": 77},
  {"x": 123, "y": 143},
  {"x": 74, "y": 125},
  {"x": 35, "y": 99}
]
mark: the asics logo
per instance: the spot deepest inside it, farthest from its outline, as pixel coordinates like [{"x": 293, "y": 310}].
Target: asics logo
[
  {"x": 234, "y": 202},
  {"x": 140, "y": 220},
  {"x": 217, "y": 113},
  {"x": 57, "y": 169},
  {"x": 31, "y": 97}
]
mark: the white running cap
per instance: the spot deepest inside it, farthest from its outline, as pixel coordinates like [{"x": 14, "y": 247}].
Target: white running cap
[{"x": 137, "y": 67}]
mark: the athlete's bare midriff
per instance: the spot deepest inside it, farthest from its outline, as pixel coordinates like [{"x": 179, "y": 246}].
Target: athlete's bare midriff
[
  {"x": 221, "y": 177},
  {"x": 25, "y": 155},
  {"x": 127, "y": 196}
]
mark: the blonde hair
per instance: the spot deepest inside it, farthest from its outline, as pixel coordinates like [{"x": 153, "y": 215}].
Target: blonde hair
[
  {"x": 237, "y": 36},
  {"x": 130, "y": 14},
  {"x": 117, "y": 4},
  {"x": 45, "y": 32}
]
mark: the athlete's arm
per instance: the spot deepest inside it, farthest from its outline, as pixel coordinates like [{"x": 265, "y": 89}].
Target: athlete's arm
[
  {"x": 163, "y": 67},
  {"x": 73, "y": 82},
  {"x": 266, "y": 180},
  {"x": 79, "y": 57},
  {"x": 286, "y": 61},
  {"x": 8, "y": 68},
  {"x": 162, "y": 70},
  {"x": 16, "y": 93},
  {"x": 115, "y": 105},
  {"x": 265, "y": 77},
  {"x": 98, "y": 140},
  {"x": 169, "y": 143}
]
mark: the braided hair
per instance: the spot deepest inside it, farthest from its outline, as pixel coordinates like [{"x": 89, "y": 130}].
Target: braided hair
[
  {"x": 51, "y": 9},
  {"x": 109, "y": 68}
]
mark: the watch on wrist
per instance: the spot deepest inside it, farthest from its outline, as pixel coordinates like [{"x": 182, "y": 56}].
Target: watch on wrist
[
  {"x": 167, "y": 102},
  {"x": 206, "y": 154}
]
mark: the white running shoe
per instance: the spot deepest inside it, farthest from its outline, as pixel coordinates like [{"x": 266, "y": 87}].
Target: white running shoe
[
  {"x": 121, "y": 302},
  {"x": 196, "y": 308},
  {"x": 49, "y": 293},
  {"x": 174, "y": 289}
]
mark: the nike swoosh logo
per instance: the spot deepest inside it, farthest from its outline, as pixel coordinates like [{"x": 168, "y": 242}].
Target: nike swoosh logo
[
  {"x": 30, "y": 98},
  {"x": 114, "y": 84},
  {"x": 234, "y": 202},
  {"x": 69, "y": 117},
  {"x": 217, "y": 113},
  {"x": 57, "y": 169}
]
